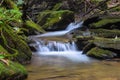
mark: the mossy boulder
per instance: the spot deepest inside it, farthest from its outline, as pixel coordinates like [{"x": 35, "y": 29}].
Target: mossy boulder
[
  {"x": 104, "y": 22},
  {"x": 105, "y": 33},
  {"x": 113, "y": 43},
  {"x": 33, "y": 27},
  {"x": 55, "y": 20},
  {"x": 111, "y": 46},
  {"x": 100, "y": 53},
  {"x": 15, "y": 45},
  {"x": 13, "y": 71}
]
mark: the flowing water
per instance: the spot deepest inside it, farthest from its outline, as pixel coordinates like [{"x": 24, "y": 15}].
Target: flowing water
[{"x": 57, "y": 58}]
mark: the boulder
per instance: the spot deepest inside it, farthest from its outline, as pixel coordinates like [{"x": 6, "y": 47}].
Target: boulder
[
  {"x": 105, "y": 33},
  {"x": 33, "y": 28},
  {"x": 15, "y": 45},
  {"x": 55, "y": 20},
  {"x": 102, "y": 47},
  {"x": 104, "y": 22},
  {"x": 108, "y": 43},
  {"x": 10, "y": 70},
  {"x": 101, "y": 53},
  {"x": 13, "y": 71}
]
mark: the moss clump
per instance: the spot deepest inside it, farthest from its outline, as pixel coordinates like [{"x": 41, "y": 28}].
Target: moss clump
[
  {"x": 104, "y": 22},
  {"x": 4, "y": 53},
  {"x": 100, "y": 53},
  {"x": 55, "y": 19},
  {"x": 57, "y": 6},
  {"x": 105, "y": 33},
  {"x": 107, "y": 43},
  {"x": 13, "y": 71},
  {"x": 15, "y": 45},
  {"x": 34, "y": 26}
]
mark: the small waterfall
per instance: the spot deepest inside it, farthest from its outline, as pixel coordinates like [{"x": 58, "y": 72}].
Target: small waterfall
[
  {"x": 71, "y": 26},
  {"x": 67, "y": 49},
  {"x": 49, "y": 46}
]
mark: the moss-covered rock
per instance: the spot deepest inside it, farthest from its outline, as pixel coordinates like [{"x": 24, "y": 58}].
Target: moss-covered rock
[
  {"x": 55, "y": 20},
  {"x": 100, "y": 53},
  {"x": 104, "y": 22},
  {"x": 105, "y": 33},
  {"x": 107, "y": 47},
  {"x": 15, "y": 45},
  {"x": 33, "y": 27},
  {"x": 13, "y": 71},
  {"x": 113, "y": 43}
]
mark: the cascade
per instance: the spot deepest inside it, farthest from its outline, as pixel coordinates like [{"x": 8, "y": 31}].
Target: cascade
[{"x": 54, "y": 47}]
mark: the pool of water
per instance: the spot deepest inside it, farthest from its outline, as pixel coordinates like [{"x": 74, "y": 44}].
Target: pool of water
[{"x": 61, "y": 68}]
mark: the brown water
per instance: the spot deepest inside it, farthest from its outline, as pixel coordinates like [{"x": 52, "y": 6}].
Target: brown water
[{"x": 60, "y": 68}]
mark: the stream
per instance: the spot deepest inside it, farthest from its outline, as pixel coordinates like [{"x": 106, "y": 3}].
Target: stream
[{"x": 57, "y": 58}]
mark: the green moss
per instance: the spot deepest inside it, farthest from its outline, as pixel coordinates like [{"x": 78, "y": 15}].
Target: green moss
[
  {"x": 12, "y": 71},
  {"x": 105, "y": 33},
  {"x": 3, "y": 50},
  {"x": 115, "y": 9},
  {"x": 15, "y": 45},
  {"x": 4, "y": 53},
  {"x": 100, "y": 53},
  {"x": 34, "y": 26},
  {"x": 57, "y": 6},
  {"x": 107, "y": 42},
  {"x": 54, "y": 18},
  {"x": 104, "y": 22},
  {"x": 49, "y": 19}
]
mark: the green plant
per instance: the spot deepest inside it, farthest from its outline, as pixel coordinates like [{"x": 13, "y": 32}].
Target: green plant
[{"x": 6, "y": 16}]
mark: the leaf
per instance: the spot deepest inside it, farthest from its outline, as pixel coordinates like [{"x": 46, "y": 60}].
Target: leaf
[{"x": 2, "y": 56}]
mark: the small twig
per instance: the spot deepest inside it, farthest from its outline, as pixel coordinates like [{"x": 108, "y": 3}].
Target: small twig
[{"x": 29, "y": 18}]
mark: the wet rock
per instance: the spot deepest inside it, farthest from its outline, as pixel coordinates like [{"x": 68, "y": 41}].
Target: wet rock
[
  {"x": 101, "y": 53},
  {"x": 110, "y": 46}
]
